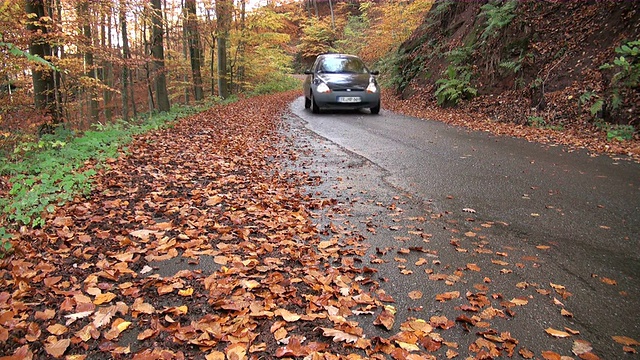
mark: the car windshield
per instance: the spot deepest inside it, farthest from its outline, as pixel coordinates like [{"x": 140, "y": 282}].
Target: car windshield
[{"x": 342, "y": 65}]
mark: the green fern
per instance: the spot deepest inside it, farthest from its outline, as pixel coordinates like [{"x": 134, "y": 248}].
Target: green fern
[
  {"x": 455, "y": 87},
  {"x": 498, "y": 14}
]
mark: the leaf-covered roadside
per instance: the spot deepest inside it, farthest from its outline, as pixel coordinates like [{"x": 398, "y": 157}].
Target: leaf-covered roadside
[
  {"x": 116, "y": 274},
  {"x": 199, "y": 244},
  {"x": 574, "y": 136}
]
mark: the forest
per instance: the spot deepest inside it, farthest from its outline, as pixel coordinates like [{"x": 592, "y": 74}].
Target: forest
[{"x": 79, "y": 63}]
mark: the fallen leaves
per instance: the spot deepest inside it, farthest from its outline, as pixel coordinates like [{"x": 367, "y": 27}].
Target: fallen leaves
[{"x": 270, "y": 281}]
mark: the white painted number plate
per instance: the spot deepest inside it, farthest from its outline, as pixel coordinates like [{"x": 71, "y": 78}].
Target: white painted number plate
[{"x": 349, "y": 99}]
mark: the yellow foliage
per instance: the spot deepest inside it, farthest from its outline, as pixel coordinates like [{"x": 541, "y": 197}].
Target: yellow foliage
[{"x": 391, "y": 24}]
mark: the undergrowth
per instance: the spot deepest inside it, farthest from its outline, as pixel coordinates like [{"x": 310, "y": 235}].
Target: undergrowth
[{"x": 53, "y": 170}]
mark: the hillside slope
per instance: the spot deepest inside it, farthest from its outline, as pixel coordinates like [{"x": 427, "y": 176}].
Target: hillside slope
[{"x": 536, "y": 63}]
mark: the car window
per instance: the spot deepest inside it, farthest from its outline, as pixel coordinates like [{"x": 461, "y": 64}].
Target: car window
[{"x": 342, "y": 65}]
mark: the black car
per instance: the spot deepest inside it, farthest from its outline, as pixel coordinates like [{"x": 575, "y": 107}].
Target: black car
[{"x": 340, "y": 81}]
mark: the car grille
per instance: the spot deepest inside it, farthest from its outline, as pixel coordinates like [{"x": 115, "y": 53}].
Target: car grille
[{"x": 347, "y": 89}]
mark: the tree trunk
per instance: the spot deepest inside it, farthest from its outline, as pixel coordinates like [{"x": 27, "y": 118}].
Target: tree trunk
[
  {"x": 333, "y": 21},
  {"x": 212, "y": 51},
  {"x": 44, "y": 89},
  {"x": 106, "y": 72},
  {"x": 157, "y": 51},
  {"x": 185, "y": 50},
  {"x": 223, "y": 12},
  {"x": 193, "y": 37},
  {"x": 147, "y": 70},
  {"x": 125, "y": 67},
  {"x": 83, "y": 15}
]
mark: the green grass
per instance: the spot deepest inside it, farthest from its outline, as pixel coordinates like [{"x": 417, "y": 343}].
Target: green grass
[{"x": 51, "y": 171}]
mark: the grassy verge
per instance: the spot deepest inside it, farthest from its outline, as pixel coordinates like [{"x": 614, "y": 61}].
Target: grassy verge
[{"x": 51, "y": 171}]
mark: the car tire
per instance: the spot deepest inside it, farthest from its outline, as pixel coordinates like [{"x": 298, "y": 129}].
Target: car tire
[
  {"x": 314, "y": 106},
  {"x": 307, "y": 102},
  {"x": 376, "y": 109}
]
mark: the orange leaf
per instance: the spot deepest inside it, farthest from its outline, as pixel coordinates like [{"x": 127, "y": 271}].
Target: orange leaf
[
  {"x": 57, "y": 329},
  {"x": 287, "y": 315},
  {"x": 448, "y": 296},
  {"x": 104, "y": 298},
  {"x": 625, "y": 340},
  {"x": 550, "y": 355}
]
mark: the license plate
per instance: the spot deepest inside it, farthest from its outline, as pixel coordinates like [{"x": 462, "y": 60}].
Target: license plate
[{"x": 349, "y": 99}]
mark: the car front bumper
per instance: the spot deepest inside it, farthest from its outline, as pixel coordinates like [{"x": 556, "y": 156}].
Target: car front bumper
[{"x": 347, "y": 100}]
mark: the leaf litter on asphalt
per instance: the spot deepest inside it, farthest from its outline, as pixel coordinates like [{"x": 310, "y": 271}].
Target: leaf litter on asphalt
[{"x": 95, "y": 280}]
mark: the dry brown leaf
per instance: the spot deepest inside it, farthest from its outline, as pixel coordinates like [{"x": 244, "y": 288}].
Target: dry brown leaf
[
  {"x": 287, "y": 315},
  {"x": 448, "y": 296},
  {"x": 526, "y": 353},
  {"x": 237, "y": 351},
  {"x": 104, "y": 298},
  {"x": 57, "y": 329},
  {"x": 557, "y": 333},
  {"x": 608, "y": 281},
  {"x": 146, "y": 334},
  {"x": 386, "y": 317},
  {"x": 520, "y": 301},
  {"x": 580, "y": 347},
  {"x": 415, "y": 295},
  {"x": 103, "y": 316},
  {"x": 339, "y": 335},
  {"x": 625, "y": 340},
  {"x": 566, "y": 313},
  {"x": 550, "y": 355},
  {"x": 473, "y": 267},
  {"x": 57, "y": 348}
]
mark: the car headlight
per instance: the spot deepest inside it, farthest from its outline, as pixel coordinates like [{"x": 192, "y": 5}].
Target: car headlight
[
  {"x": 323, "y": 88},
  {"x": 372, "y": 88}
]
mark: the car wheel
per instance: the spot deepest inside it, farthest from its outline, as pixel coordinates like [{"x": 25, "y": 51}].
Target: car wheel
[
  {"x": 314, "y": 106},
  {"x": 307, "y": 102},
  {"x": 376, "y": 109}
]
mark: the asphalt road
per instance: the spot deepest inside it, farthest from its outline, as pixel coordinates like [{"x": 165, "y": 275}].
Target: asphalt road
[{"x": 533, "y": 218}]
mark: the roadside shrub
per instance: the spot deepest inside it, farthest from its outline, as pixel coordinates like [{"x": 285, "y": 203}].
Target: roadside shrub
[
  {"x": 627, "y": 65},
  {"x": 277, "y": 83},
  {"x": 620, "y": 132}
]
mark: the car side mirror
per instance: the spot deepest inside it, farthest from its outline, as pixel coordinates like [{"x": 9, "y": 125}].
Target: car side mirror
[
  {"x": 375, "y": 72},
  {"x": 308, "y": 72}
]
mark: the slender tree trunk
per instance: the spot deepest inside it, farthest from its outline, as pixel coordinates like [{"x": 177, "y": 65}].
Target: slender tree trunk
[
  {"x": 185, "y": 50},
  {"x": 241, "y": 45},
  {"x": 223, "y": 12},
  {"x": 106, "y": 71},
  {"x": 125, "y": 67},
  {"x": 212, "y": 51},
  {"x": 83, "y": 15},
  {"x": 44, "y": 89},
  {"x": 147, "y": 70},
  {"x": 333, "y": 21},
  {"x": 157, "y": 50},
  {"x": 193, "y": 37}
]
